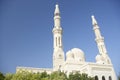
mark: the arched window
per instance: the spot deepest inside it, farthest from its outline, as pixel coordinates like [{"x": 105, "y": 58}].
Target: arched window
[
  {"x": 59, "y": 68},
  {"x": 59, "y": 40},
  {"x": 103, "y": 77},
  {"x": 96, "y": 77},
  {"x": 56, "y": 41},
  {"x": 110, "y": 78}
]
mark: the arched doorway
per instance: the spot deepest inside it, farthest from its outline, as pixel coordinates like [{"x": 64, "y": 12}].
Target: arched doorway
[
  {"x": 110, "y": 78},
  {"x": 96, "y": 77},
  {"x": 103, "y": 77}
]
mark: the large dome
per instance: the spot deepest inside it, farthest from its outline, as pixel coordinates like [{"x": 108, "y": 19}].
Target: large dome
[{"x": 76, "y": 54}]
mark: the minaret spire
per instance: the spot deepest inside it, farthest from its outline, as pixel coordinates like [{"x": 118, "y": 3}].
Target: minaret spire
[
  {"x": 100, "y": 40},
  {"x": 58, "y": 53},
  {"x": 94, "y": 22},
  {"x": 57, "y": 11},
  {"x": 57, "y": 17},
  {"x": 96, "y": 28}
]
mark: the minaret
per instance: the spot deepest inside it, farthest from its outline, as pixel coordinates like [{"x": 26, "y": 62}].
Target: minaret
[
  {"x": 100, "y": 42},
  {"x": 58, "y": 53}
]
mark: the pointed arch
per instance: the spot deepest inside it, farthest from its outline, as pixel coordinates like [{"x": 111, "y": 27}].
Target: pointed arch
[
  {"x": 96, "y": 77},
  {"x": 103, "y": 77},
  {"x": 110, "y": 78},
  {"x": 59, "y": 40},
  {"x": 56, "y": 41}
]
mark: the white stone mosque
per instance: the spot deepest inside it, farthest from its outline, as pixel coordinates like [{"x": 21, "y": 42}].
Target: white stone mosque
[{"x": 74, "y": 61}]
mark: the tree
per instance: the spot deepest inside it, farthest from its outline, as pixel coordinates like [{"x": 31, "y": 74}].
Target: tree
[
  {"x": 78, "y": 76},
  {"x": 119, "y": 76},
  {"x": 8, "y": 76},
  {"x": 75, "y": 76},
  {"x": 2, "y": 76},
  {"x": 25, "y": 75},
  {"x": 44, "y": 75},
  {"x": 58, "y": 75}
]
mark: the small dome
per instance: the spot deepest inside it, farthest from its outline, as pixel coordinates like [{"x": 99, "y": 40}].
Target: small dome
[
  {"x": 76, "y": 54},
  {"x": 99, "y": 57}
]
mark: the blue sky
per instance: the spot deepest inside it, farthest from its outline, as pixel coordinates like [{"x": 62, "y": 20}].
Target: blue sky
[{"x": 26, "y": 30}]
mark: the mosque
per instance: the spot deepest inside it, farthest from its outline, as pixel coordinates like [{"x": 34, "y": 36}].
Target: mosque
[{"x": 74, "y": 61}]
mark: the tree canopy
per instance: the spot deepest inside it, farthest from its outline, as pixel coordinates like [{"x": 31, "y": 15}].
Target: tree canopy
[
  {"x": 57, "y": 75},
  {"x": 119, "y": 76},
  {"x": 24, "y": 75},
  {"x": 1, "y": 76}
]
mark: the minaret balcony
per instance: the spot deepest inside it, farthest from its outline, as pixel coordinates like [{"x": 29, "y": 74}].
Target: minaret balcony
[
  {"x": 57, "y": 30},
  {"x": 99, "y": 39}
]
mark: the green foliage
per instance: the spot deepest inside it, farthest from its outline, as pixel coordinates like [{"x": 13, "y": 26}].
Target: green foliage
[
  {"x": 2, "y": 76},
  {"x": 8, "y": 76},
  {"x": 58, "y": 76},
  {"x": 78, "y": 76},
  {"x": 119, "y": 76},
  {"x": 75, "y": 76},
  {"x": 44, "y": 75},
  {"x": 24, "y": 75}
]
